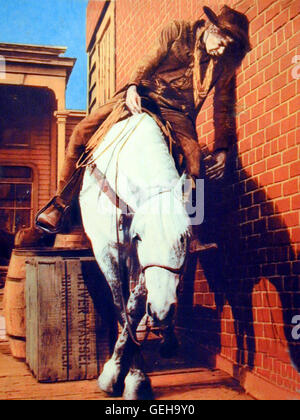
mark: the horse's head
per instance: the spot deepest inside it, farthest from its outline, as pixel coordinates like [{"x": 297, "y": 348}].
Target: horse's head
[{"x": 161, "y": 228}]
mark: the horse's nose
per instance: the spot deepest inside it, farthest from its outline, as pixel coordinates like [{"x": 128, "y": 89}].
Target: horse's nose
[{"x": 161, "y": 317}]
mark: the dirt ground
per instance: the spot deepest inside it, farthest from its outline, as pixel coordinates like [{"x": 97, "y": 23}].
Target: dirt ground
[{"x": 17, "y": 382}]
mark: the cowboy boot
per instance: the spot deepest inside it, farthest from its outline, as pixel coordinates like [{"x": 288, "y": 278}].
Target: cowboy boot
[{"x": 52, "y": 217}]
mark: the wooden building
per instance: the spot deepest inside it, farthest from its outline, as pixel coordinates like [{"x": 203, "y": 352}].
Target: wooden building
[{"x": 34, "y": 128}]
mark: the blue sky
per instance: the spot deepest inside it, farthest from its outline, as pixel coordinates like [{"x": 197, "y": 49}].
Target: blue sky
[{"x": 50, "y": 22}]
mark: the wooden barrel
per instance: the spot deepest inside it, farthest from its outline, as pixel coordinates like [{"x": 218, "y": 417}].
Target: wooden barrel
[
  {"x": 76, "y": 239},
  {"x": 14, "y": 304},
  {"x": 3, "y": 274}
]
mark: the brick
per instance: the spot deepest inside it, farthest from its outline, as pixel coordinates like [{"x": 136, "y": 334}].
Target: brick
[
  {"x": 292, "y": 219},
  {"x": 279, "y": 81},
  {"x": 288, "y": 30},
  {"x": 251, "y": 127},
  {"x": 282, "y": 237},
  {"x": 296, "y": 24},
  {"x": 267, "y": 150},
  {"x": 272, "y": 12},
  {"x": 265, "y": 120},
  {"x": 257, "y": 110},
  {"x": 280, "y": 113},
  {"x": 294, "y": 105},
  {"x": 251, "y": 99},
  {"x": 264, "y": 91},
  {"x": 296, "y": 202},
  {"x": 288, "y": 92},
  {"x": 286, "y": 61},
  {"x": 282, "y": 143},
  {"x": 245, "y": 145},
  {"x": 275, "y": 191},
  {"x": 281, "y": 174},
  {"x": 274, "y": 223},
  {"x": 295, "y": 237},
  {"x": 274, "y": 146},
  {"x": 290, "y": 187},
  {"x": 280, "y": 20},
  {"x": 246, "y": 200},
  {"x": 252, "y": 159},
  {"x": 272, "y": 71},
  {"x": 243, "y": 90},
  {"x": 295, "y": 169},
  {"x": 263, "y": 315},
  {"x": 294, "y": 42},
  {"x": 265, "y": 32},
  {"x": 274, "y": 162},
  {"x": 264, "y": 4},
  {"x": 294, "y": 9},
  {"x": 258, "y": 168},
  {"x": 290, "y": 155},
  {"x": 266, "y": 47},
  {"x": 257, "y": 23},
  {"x": 288, "y": 124},
  {"x": 259, "y": 154},
  {"x": 272, "y": 101},
  {"x": 273, "y": 131},
  {"x": 283, "y": 205},
  {"x": 292, "y": 138},
  {"x": 267, "y": 178}
]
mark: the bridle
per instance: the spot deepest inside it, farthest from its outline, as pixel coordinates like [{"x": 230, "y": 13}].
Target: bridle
[{"x": 178, "y": 271}]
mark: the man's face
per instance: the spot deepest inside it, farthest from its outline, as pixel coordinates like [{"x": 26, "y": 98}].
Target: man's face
[{"x": 215, "y": 41}]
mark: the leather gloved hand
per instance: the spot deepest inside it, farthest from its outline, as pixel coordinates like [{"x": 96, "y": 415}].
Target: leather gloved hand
[
  {"x": 216, "y": 165},
  {"x": 133, "y": 100}
]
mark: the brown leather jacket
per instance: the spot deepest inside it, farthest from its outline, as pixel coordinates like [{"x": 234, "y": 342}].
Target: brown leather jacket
[
  {"x": 167, "y": 73},
  {"x": 174, "y": 80}
]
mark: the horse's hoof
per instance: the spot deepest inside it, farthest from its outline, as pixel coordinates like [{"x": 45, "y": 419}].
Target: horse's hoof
[
  {"x": 110, "y": 379},
  {"x": 137, "y": 386},
  {"x": 169, "y": 347}
]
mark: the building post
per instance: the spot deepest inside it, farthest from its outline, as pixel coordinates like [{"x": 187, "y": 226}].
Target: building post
[{"x": 61, "y": 140}]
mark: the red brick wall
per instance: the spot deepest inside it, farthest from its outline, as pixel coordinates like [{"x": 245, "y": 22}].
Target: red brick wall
[
  {"x": 241, "y": 300},
  {"x": 93, "y": 12}
]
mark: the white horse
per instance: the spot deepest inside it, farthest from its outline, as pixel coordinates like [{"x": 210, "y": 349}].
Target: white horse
[{"x": 133, "y": 165}]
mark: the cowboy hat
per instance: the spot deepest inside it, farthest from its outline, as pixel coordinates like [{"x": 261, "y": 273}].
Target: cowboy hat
[{"x": 231, "y": 23}]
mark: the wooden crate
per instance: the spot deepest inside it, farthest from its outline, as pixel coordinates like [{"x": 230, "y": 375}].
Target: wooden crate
[{"x": 66, "y": 338}]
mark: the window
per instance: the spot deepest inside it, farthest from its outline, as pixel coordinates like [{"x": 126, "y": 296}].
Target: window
[
  {"x": 20, "y": 109},
  {"x": 16, "y": 208},
  {"x": 102, "y": 61},
  {"x": 14, "y": 137}
]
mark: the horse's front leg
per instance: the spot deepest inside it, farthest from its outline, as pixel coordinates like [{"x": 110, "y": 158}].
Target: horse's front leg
[
  {"x": 137, "y": 383},
  {"x": 115, "y": 370},
  {"x": 169, "y": 344}
]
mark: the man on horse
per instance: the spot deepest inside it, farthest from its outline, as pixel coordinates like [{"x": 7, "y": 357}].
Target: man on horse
[{"x": 171, "y": 84}]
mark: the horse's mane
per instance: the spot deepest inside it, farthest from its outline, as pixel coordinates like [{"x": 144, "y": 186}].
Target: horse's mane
[{"x": 167, "y": 210}]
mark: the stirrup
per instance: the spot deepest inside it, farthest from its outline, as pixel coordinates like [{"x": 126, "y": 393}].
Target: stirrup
[{"x": 62, "y": 209}]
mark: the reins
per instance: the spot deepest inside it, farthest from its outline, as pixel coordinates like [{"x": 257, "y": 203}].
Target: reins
[{"x": 132, "y": 336}]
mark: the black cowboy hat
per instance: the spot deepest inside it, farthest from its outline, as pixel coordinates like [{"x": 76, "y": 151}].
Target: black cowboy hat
[{"x": 231, "y": 23}]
